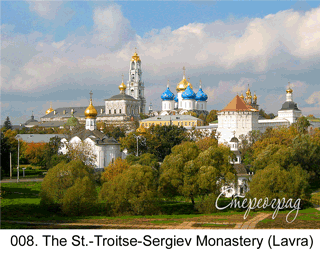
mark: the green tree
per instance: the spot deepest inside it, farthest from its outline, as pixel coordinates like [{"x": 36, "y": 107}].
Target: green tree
[
  {"x": 212, "y": 116},
  {"x": 79, "y": 198},
  {"x": 302, "y": 125},
  {"x": 7, "y": 124},
  {"x": 275, "y": 182},
  {"x": 158, "y": 140},
  {"x": 62, "y": 177},
  {"x": 133, "y": 191},
  {"x": 51, "y": 155},
  {"x": 5, "y": 154},
  {"x": 190, "y": 173}
]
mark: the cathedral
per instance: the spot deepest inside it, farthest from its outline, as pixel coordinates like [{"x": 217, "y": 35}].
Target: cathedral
[
  {"x": 185, "y": 99},
  {"x": 120, "y": 109}
]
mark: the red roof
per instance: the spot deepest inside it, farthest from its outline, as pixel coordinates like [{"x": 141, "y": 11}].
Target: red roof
[{"x": 238, "y": 104}]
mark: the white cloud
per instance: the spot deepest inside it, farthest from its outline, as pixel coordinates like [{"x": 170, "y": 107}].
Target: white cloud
[
  {"x": 237, "y": 46},
  {"x": 112, "y": 28},
  {"x": 314, "y": 98},
  {"x": 45, "y": 9}
]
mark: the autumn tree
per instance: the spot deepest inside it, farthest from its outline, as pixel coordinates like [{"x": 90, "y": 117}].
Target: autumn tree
[
  {"x": 212, "y": 116},
  {"x": 133, "y": 191},
  {"x": 114, "y": 169},
  {"x": 35, "y": 153},
  {"x": 70, "y": 186}
]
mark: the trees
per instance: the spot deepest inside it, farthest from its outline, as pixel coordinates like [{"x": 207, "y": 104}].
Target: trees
[
  {"x": 190, "y": 173},
  {"x": 82, "y": 151},
  {"x": 275, "y": 182},
  {"x": 5, "y": 154},
  {"x": 7, "y": 124},
  {"x": 70, "y": 186},
  {"x": 51, "y": 155},
  {"x": 133, "y": 191},
  {"x": 157, "y": 140},
  {"x": 35, "y": 153},
  {"x": 114, "y": 169}
]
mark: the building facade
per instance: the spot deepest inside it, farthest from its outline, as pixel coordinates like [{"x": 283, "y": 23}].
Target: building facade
[{"x": 120, "y": 109}]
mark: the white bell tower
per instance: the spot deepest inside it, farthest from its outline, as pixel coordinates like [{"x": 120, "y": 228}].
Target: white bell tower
[{"x": 135, "y": 86}]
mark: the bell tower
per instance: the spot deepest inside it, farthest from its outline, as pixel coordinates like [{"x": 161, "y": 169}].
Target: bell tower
[{"x": 135, "y": 86}]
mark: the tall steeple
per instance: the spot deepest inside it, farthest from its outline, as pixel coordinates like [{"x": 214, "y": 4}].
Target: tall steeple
[
  {"x": 135, "y": 84},
  {"x": 91, "y": 114}
]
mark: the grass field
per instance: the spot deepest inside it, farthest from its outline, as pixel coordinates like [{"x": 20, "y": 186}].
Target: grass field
[
  {"x": 30, "y": 172},
  {"x": 21, "y": 202}
]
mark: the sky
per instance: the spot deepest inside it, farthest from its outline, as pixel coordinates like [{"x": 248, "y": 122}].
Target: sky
[{"x": 60, "y": 50}]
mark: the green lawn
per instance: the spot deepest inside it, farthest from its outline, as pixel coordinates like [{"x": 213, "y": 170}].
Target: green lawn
[{"x": 21, "y": 202}]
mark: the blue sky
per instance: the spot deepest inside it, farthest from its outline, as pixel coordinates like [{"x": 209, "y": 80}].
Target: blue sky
[{"x": 59, "y": 51}]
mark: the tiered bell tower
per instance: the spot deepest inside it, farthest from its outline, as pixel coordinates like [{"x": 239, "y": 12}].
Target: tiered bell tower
[{"x": 135, "y": 86}]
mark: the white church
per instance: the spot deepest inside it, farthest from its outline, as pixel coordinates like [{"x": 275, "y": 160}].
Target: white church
[{"x": 102, "y": 149}]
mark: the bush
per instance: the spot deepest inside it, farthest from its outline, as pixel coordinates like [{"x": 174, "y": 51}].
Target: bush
[
  {"x": 62, "y": 183},
  {"x": 133, "y": 191},
  {"x": 207, "y": 204},
  {"x": 79, "y": 198}
]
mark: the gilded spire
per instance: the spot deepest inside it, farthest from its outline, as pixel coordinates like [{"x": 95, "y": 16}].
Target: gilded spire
[{"x": 184, "y": 72}]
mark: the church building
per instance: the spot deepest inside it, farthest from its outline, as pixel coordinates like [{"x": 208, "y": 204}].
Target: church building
[
  {"x": 103, "y": 148},
  {"x": 120, "y": 109},
  {"x": 185, "y": 100}
]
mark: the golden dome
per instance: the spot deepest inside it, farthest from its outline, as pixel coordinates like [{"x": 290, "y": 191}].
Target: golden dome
[
  {"x": 255, "y": 97},
  {"x": 122, "y": 86},
  {"x": 241, "y": 96},
  {"x": 50, "y": 109},
  {"x": 182, "y": 86},
  {"x": 141, "y": 130},
  {"x": 289, "y": 90},
  {"x": 135, "y": 57},
  {"x": 90, "y": 112},
  {"x": 248, "y": 92}
]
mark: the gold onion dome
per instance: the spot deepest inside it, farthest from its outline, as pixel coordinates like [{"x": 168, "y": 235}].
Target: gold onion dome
[
  {"x": 90, "y": 112},
  {"x": 182, "y": 86},
  {"x": 50, "y": 109},
  {"x": 289, "y": 90},
  {"x": 241, "y": 96},
  {"x": 135, "y": 57},
  {"x": 122, "y": 86},
  {"x": 255, "y": 97},
  {"x": 248, "y": 92}
]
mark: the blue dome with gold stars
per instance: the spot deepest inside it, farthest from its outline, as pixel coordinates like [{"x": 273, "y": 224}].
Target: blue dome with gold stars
[
  {"x": 201, "y": 96},
  {"x": 167, "y": 95},
  {"x": 188, "y": 94}
]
